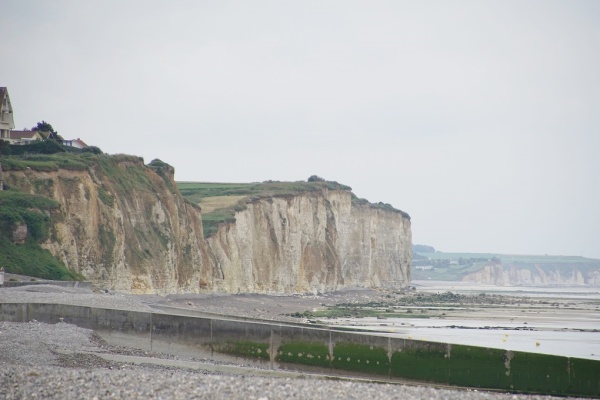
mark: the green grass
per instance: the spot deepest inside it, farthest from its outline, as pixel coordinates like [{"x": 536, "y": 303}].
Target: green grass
[
  {"x": 32, "y": 260},
  {"x": 196, "y": 191},
  {"x": 44, "y": 162},
  {"x": 125, "y": 172},
  {"x": 24, "y": 208}
]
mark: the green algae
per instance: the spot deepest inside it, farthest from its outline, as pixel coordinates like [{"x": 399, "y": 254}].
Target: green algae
[
  {"x": 539, "y": 373},
  {"x": 427, "y": 363},
  {"x": 360, "y": 357},
  {"x": 307, "y": 353},
  {"x": 478, "y": 367}
]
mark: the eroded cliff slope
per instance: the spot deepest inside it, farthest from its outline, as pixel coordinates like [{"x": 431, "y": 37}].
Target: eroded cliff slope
[{"x": 120, "y": 224}]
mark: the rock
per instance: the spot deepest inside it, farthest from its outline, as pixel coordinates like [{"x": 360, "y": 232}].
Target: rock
[
  {"x": 19, "y": 234},
  {"x": 315, "y": 242}
]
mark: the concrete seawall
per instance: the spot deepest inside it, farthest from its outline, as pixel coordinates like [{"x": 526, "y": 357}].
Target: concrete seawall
[
  {"x": 73, "y": 284},
  {"x": 296, "y": 346}
]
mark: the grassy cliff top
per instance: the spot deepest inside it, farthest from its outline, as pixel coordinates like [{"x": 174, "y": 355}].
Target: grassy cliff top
[
  {"x": 220, "y": 201},
  {"x": 199, "y": 191}
]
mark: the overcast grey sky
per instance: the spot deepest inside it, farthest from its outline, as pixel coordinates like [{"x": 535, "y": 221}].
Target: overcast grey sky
[{"x": 481, "y": 119}]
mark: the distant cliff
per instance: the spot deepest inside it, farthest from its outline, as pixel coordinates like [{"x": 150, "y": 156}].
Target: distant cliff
[
  {"x": 505, "y": 269},
  {"x": 125, "y": 226},
  {"x": 504, "y": 275}
]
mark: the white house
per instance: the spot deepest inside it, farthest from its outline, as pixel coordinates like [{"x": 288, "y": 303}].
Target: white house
[
  {"x": 78, "y": 143},
  {"x": 7, "y": 122},
  {"x": 24, "y": 137}
]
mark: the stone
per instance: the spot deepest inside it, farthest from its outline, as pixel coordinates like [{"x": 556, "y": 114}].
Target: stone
[{"x": 19, "y": 234}]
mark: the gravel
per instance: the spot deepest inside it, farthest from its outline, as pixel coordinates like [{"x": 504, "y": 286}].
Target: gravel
[
  {"x": 73, "y": 296},
  {"x": 63, "y": 361}
]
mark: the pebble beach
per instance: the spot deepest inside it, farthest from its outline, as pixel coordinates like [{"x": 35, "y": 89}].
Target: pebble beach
[{"x": 63, "y": 361}]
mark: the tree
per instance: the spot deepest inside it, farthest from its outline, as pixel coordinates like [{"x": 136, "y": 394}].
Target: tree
[
  {"x": 48, "y": 130},
  {"x": 43, "y": 127}
]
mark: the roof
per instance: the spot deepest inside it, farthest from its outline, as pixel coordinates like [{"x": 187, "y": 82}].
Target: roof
[
  {"x": 80, "y": 142},
  {"x": 23, "y": 134},
  {"x": 49, "y": 135}
]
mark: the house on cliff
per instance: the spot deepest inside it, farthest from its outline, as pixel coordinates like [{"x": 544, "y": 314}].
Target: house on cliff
[
  {"x": 24, "y": 137},
  {"x": 77, "y": 143},
  {"x": 7, "y": 125}
]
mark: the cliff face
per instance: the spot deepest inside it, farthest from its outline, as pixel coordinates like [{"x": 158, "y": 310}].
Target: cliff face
[
  {"x": 122, "y": 227},
  {"x": 125, "y": 226},
  {"x": 504, "y": 275},
  {"x": 317, "y": 241}
]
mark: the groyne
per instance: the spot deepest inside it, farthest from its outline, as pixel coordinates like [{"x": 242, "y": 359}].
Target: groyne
[{"x": 298, "y": 346}]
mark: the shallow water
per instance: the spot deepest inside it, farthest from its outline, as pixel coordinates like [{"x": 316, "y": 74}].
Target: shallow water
[
  {"x": 570, "y": 332},
  {"x": 563, "y": 343}
]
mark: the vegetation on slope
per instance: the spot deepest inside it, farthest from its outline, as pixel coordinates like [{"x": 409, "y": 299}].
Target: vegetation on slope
[
  {"x": 29, "y": 258},
  {"x": 124, "y": 172}
]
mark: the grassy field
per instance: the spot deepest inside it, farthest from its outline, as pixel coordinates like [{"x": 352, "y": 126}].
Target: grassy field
[
  {"x": 197, "y": 191},
  {"x": 220, "y": 201}
]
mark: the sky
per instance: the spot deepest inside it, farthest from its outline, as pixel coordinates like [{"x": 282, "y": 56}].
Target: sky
[{"x": 481, "y": 119}]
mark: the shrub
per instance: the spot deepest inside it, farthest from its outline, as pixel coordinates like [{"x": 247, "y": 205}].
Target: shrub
[
  {"x": 39, "y": 147},
  {"x": 315, "y": 178},
  {"x": 92, "y": 149},
  {"x": 157, "y": 163}
]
